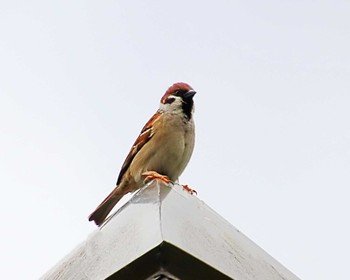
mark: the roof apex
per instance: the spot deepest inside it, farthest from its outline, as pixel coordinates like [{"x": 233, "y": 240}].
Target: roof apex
[{"x": 169, "y": 222}]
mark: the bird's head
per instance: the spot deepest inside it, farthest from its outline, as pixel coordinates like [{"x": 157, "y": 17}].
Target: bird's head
[{"x": 178, "y": 98}]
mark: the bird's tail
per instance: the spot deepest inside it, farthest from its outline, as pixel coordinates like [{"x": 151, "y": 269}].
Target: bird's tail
[{"x": 101, "y": 212}]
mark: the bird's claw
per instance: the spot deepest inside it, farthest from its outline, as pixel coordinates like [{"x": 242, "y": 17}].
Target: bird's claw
[
  {"x": 187, "y": 188},
  {"x": 151, "y": 175}
]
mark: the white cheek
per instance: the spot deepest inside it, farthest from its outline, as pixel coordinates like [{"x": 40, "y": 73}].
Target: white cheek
[
  {"x": 163, "y": 107},
  {"x": 172, "y": 107}
]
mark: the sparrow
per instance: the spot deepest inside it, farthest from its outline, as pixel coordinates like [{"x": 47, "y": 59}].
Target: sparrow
[{"x": 162, "y": 150}]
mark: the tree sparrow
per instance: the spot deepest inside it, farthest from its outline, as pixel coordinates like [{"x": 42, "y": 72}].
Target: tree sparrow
[{"x": 161, "y": 151}]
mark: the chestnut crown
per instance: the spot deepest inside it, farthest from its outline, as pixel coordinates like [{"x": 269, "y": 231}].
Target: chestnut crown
[{"x": 178, "y": 97}]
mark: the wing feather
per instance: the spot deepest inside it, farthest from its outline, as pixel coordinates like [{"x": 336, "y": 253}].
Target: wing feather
[{"x": 145, "y": 135}]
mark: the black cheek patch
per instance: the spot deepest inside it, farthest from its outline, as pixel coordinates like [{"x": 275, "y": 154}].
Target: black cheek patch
[{"x": 169, "y": 100}]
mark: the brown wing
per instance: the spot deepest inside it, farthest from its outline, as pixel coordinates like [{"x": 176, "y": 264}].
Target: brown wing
[{"x": 145, "y": 135}]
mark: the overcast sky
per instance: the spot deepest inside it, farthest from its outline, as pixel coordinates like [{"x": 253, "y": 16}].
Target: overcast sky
[{"x": 79, "y": 79}]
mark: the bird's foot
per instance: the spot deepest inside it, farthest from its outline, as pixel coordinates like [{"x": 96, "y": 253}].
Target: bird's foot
[
  {"x": 151, "y": 175},
  {"x": 187, "y": 188}
]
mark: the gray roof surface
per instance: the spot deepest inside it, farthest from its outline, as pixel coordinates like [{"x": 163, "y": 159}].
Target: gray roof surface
[{"x": 166, "y": 214}]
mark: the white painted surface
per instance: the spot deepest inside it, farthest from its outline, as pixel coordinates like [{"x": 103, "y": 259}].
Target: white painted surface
[
  {"x": 133, "y": 231},
  {"x": 190, "y": 224},
  {"x": 157, "y": 213}
]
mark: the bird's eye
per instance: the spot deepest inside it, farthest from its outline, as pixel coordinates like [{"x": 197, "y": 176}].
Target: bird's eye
[
  {"x": 169, "y": 100},
  {"x": 176, "y": 92}
]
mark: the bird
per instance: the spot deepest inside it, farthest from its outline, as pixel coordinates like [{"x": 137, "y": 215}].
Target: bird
[{"x": 161, "y": 151}]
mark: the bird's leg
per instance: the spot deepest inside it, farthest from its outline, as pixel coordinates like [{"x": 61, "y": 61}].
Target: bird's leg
[
  {"x": 151, "y": 175},
  {"x": 187, "y": 188}
]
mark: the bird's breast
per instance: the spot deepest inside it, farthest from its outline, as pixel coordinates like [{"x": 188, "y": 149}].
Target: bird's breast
[{"x": 168, "y": 151}]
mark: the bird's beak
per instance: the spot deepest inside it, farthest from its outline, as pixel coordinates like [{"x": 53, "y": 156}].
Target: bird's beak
[{"x": 189, "y": 94}]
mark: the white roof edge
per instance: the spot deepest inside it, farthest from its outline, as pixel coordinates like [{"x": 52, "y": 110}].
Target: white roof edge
[{"x": 160, "y": 212}]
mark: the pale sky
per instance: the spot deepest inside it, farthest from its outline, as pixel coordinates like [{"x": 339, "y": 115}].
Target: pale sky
[{"x": 79, "y": 79}]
